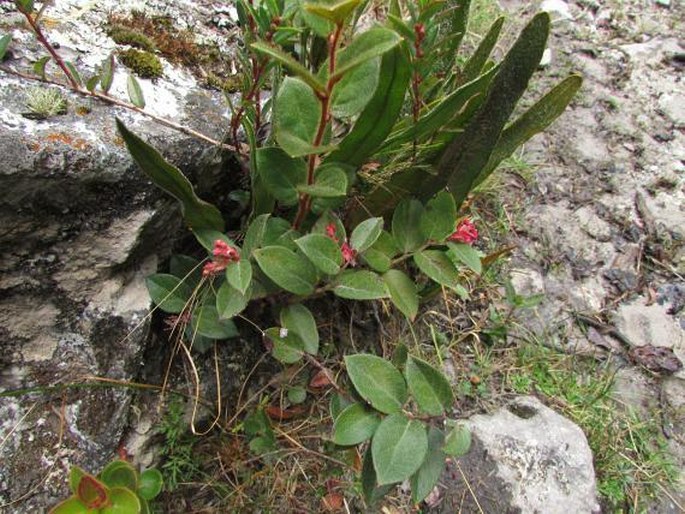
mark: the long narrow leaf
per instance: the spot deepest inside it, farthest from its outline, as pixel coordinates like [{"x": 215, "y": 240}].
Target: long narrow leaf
[
  {"x": 290, "y": 63},
  {"x": 4, "y": 43},
  {"x": 378, "y": 117},
  {"x": 464, "y": 159},
  {"x": 534, "y": 120},
  {"x": 198, "y": 214},
  {"x": 476, "y": 62}
]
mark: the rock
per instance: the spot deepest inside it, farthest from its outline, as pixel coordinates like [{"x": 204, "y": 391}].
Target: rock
[
  {"x": 651, "y": 325},
  {"x": 673, "y": 107},
  {"x": 83, "y": 230},
  {"x": 559, "y": 8},
  {"x": 592, "y": 224},
  {"x": 525, "y": 458},
  {"x": 546, "y": 58}
]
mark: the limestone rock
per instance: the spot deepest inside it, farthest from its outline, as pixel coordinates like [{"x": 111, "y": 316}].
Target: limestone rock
[{"x": 525, "y": 458}]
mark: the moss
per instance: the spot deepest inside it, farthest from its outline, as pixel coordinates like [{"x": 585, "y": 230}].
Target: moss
[
  {"x": 142, "y": 63},
  {"x": 46, "y": 102},
  {"x": 230, "y": 84},
  {"x": 126, "y": 36}
]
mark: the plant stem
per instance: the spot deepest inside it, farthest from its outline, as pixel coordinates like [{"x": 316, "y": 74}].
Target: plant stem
[
  {"x": 325, "y": 101},
  {"x": 48, "y": 46}
]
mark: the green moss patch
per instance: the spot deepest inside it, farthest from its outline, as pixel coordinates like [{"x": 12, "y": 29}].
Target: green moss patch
[{"x": 144, "y": 64}]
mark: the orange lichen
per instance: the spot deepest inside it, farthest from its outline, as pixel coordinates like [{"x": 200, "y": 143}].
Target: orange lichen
[{"x": 76, "y": 143}]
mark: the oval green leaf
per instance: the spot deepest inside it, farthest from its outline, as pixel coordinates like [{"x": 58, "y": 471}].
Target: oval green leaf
[
  {"x": 399, "y": 447},
  {"x": 322, "y": 251},
  {"x": 360, "y": 285},
  {"x": 151, "y": 482},
  {"x": 287, "y": 269},
  {"x": 298, "y": 319},
  {"x": 461, "y": 253},
  {"x": 406, "y": 225},
  {"x": 296, "y": 117},
  {"x": 170, "y": 293},
  {"x": 239, "y": 275},
  {"x": 377, "y": 381},
  {"x": 330, "y": 182},
  {"x": 72, "y": 505},
  {"x": 425, "y": 479},
  {"x": 354, "y": 425},
  {"x": 206, "y": 322},
  {"x": 288, "y": 348},
  {"x": 437, "y": 220},
  {"x": 367, "y": 45},
  {"x": 135, "y": 93},
  {"x": 124, "y": 501},
  {"x": 438, "y": 267},
  {"x": 120, "y": 473},
  {"x": 366, "y": 234},
  {"x": 281, "y": 174},
  {"x": 230, "y": 301},
  {"x": 458, "y": 441},
  {"x": 402, "y": 292},
  {"x": 356, "y": 89},
  {"x": 429, "y": 387}
]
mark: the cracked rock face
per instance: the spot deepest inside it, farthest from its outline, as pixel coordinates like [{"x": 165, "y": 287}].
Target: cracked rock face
[
  {"x": 82, "y": 228},
  {"x": 525, "y": 458}
]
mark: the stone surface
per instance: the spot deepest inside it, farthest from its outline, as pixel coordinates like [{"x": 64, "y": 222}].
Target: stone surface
[
  {"x": 525, "y": 458},
  {"x": 82, "y": 230}
]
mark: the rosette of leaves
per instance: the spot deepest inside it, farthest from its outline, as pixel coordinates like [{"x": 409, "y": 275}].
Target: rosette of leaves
[
  {"x": 118, "y": 489},
  {"x": 403, "y": 445}
]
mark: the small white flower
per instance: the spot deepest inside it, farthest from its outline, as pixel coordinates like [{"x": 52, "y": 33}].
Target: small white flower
[{"x": 283, "y": 333}]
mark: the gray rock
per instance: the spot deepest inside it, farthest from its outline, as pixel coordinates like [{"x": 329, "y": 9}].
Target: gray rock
[
  {"x": 525, "y": 458},
  {"x": 83, "y": 228}
]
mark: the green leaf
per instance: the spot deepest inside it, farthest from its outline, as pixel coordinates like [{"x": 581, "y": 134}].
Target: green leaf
[
  {"x": 92, "y": 493},
  {"x": 151, "y": 482},
  {"x": 4, "y": 44},
  {"x": 378, "y": 117},
  {"x": 254, "y": 235},
  {"x": 458, "y": 22},
  {"x": 239, "y": 275},
  {"x": 298, "y": 319},
  {"x": 230, "y": 301},
  {"x": 39, "y": 66},
  {"x": 296, "y": 118},
  {"x": 196, "y": 212},
  {"x": 92, "y": 83},
  {"x": 74, "y": 72},
  {"x": 425, "y": 479},
  {"x": 354, "y": 425},
  {"x": 135, "y": 93},
  {"x": 297, "y": 395},
  {"x": 330, "y": 182},
  {"x": 360, "y": 285},
  {"x": 372, "y": 492},
  {"x": 437, "y": 221},
  {"x": 438, "y": 267},
  {"x": 120, "y": 473},
  {"x": 187, "y": 268},
  {"x": 367, "y": 45},
  {"x": 75, "y": 476},
  {"x": 355, "y": 89},
  {"x": 399, "y": 447},
  {"x": 534, "y": 120},
  {"x": 168, "y": 292},
  {"x": 443, "y": 113},
  {"x": 207, "y": 238},
  {"x": 429, "y": 387},
  {"x": 206, "y": 322},
  {"x": 465, "y": 158},
  {"x": 72, "y": 505},
  {"x": 336, "y": 12},
  {"x": 475, "y": 64},
  {"x": 282, "y": 174},
  {"x": 377, "y": 381},
  {"x": 366, "y": 234},
  {"x": 337, "y": 405},
  {"x": 124, "y": 501},
  {"x": 458, "y": 441},
  {"x": 322, "y": 251},
  {"x": 287, "y": 269},
  {"x": 465, "y": 254},
  {"x": 287, "y": 347},
  {"x": 290, "y": 63},
  {"x": 406, "y": 225},
  {"x": 107, "y": 76},
  {"x": 402, "y": 292}
]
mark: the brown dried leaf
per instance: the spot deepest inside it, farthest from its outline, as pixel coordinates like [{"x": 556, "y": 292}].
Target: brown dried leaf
[
  {"x": 332, "y": 502},
  {"x": 320, "y": 380},
  {"x": 656, "y": 358},
  {"x": 278, "y": 414}
]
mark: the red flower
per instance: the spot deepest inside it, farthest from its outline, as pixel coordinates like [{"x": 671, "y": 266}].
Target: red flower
[
  {"x": 466, "y": 232},
  {"x": 330, "y": 231},
  {"x": 349, "y": 253},
  {"x": 224, "y": 254}
]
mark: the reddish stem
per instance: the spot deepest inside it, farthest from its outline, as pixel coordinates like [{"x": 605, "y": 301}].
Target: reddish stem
[
  {"x": 51, "y": 50},
  {"x": 325, "y": 100}
]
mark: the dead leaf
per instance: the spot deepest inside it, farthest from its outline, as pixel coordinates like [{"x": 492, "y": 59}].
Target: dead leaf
[
  {"x": 332, "y": 502},
  {"x": 656, "y": 358},
  {"x": 279, "y": 414},
  {"x": 320, "y": 380}
]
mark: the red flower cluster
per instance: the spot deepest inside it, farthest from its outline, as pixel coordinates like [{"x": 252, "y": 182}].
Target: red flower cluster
[
  {"x": 224, "y": 254},
  {"x": 466, "y": 232},
  {"x": 348, "y": 253}
]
